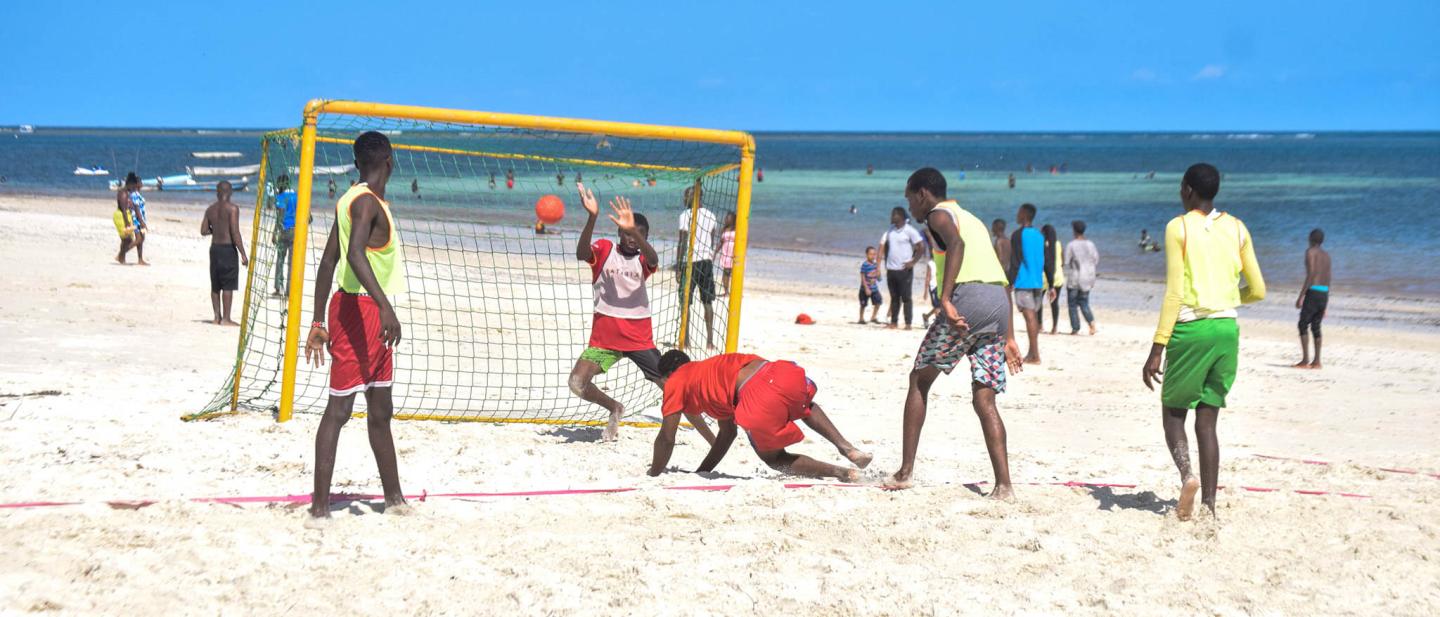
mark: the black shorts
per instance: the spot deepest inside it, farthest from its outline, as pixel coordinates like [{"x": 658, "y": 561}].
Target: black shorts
[
  {"x": 1312, "y": 311},
  {"x": 868, "y": 296},
  {"x": 224, "y": 268},
  {"x": 702, "y": 275}
]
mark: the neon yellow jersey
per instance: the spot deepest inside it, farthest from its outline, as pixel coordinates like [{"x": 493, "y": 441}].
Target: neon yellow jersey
[
  {"x": 1059, "y": 267},
  {"x": 388, "y": 262},
  {"x": 1205, "y": 257},
  {"x": 980, "y": 265}
]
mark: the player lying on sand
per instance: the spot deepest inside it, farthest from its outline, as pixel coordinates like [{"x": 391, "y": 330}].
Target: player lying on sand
[
  {"x": 621, "y": 328},
  {"x": 975, "y": 322},
  {"x": 764, "y": 398},
  {"x": 364, "y": 251}
]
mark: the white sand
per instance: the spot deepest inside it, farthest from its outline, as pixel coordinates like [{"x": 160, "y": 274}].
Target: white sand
[{"x": 127, "y": 349}]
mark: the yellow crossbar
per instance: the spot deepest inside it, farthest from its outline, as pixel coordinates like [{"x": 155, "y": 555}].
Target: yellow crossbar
[{"x": 522, "y": 157}]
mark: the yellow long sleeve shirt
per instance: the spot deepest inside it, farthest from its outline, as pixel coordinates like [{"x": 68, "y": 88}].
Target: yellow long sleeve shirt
[{"x": 1205, "y": 257}]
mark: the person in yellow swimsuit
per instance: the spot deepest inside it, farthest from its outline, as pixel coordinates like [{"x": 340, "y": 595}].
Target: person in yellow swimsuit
[
  {"x": 126, "y": 231},
  {"x": 1206, "y": 254}
]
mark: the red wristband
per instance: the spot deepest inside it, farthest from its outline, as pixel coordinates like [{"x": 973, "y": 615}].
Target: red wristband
[{"x": 317, "y": 324}]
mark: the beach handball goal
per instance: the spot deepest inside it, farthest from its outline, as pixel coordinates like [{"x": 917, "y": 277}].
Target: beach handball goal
[{"x": 497, "y": 312}]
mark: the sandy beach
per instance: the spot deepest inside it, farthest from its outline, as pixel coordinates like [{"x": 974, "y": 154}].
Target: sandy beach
[{"x": 99, "y": 361}]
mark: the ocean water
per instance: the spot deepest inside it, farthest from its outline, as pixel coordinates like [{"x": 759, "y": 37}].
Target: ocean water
[{"x": 1375, "y": 194}]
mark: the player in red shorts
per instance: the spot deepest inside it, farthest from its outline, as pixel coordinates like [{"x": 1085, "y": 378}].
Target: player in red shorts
[
  {"x": 764, "y": 398},
  {"x": 363, "y": 328}
]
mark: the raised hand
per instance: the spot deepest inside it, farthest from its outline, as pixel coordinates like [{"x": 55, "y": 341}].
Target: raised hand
[
  {"x": 587, "y": 199},
  {"x": 621, "y": 214}
]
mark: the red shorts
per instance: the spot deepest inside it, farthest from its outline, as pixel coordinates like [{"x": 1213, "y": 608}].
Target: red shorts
[
  {"x": 771, "y": 401},
  {"x": 359, "y": 359}
]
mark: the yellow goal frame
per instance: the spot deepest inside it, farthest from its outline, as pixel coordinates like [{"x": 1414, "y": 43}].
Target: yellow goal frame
[{"x": 305, "y": 184}]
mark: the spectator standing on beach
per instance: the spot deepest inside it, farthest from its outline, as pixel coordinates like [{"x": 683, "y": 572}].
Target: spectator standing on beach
[
  {"x": 900, "y": 247},
  {"x": 1080, "y": 264},
  {"x": 1314, "y": 298},
  {"x": 330, "y": 189},
  {"x": 130, "y": 200},
  {"x": 870, "y": 285},
  {"x": 1053, "y": 284},
  {"x": 1030, "y": 268},
  {"x": 222, "y": 224},
  {"x": 1000, "y": 241},
  {"x": 702, "y": 265},
  {"x": 726, "y": 258},
  {"x": 285, "y": 202}
]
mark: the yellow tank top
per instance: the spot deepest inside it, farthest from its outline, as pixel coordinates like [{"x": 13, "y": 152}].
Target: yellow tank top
[
  {"x": 388, "y": 262},
  {"x": 980, "y": 265}
]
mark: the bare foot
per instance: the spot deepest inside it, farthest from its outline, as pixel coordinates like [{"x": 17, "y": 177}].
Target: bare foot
[
  {"x": 1300, "y": 364},
  {"x": 907, "y": 327},
  {"x": 227, "y": 322},
  {"x": 898, "y": 482},
  {"x": 859, "y": 458},
  {"x": 1187, "y": 498},
  {"x": 874, "y": 320},
  {"x": 1003, "y": 492},
  {"x": 1093, "y": 330},
  {"x": 1030, "y": 360},
  {"x": 120, "y": 260},
  {"x": 851, "y": 475},
  {"x": 890, "y": 326},
  {"x": 861, "y": 322},
  {"x": 399, "y": 509},
  {"x": 142, "y": 262},
  {"x": 318, "y": 522},
  {"x": 612, "y": 426},
  {"x": 1315, "y": 365}
]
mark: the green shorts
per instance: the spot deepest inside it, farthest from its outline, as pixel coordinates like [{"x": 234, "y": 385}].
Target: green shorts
[
  {"x": 648, "y": 360},
  {"x": 1200, "y": 363}
]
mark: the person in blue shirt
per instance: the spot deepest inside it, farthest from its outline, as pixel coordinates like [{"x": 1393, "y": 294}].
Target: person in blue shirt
[
  {"x": 1030, "y": 266},
  {"x": 870, "y": 285},
  {"x": 285, "y": 202}
]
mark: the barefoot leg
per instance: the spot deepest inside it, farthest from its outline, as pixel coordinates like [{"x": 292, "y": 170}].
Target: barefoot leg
[
  {"x": 801, "y": 465},
  {"x": 337, "y": 413},
  {"x": 916, "y": 402},
  {"x": 982, "y": 398},
  {"x": 1206, "y": 417},
  {"x": 1173, "y": 420},
  {"x": 379, "y": 410},
  {"x": 581, "y": 385},
  {"x": 820, "y": 423}
]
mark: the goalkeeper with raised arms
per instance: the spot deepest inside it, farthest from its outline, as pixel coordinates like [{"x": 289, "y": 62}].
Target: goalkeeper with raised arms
[
  {"x": 363, "y": 251},
  {"x": 621, "y": 327}
]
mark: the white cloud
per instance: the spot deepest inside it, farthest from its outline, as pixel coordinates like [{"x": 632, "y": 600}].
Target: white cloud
[
  {"x": 1143, "y": 75},
  {"x": 1211, "y": 71}
]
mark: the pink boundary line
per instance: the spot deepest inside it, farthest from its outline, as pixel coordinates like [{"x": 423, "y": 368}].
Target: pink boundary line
[
  {"x": 1413, "y": 472},
  {"x": 424, "y": 495}
]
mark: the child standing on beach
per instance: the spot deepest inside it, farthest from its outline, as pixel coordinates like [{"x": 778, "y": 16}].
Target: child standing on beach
[
  {"x": 364, "y": 250},
  {"x": 870, "y": 285},
  {"x": 1314, "y": 297},
  {"x": 726, "y": 258},
  {"x": 1206, "y": 253}
]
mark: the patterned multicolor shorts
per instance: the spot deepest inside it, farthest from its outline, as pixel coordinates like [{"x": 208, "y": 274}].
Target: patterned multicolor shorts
[{"x": 943, "y": 347}]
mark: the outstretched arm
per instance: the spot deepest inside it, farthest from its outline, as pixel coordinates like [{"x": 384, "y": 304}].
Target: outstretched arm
[
  {"x": 698, "y": 422},
  {"x": 664, "y": 444},
  {"x": 583, "y": 252},
  {"x": 719, "y": 447},
  {"x": 319, "y": 337},
  {"x": 624, "y": 218}
]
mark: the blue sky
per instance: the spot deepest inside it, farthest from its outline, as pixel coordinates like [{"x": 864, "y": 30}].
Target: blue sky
[{"x": 968, "y": 66}]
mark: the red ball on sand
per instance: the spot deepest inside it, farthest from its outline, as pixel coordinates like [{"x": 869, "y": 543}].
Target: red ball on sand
[
  {"x": 804, "y": 320},
  {"x": 549, "y": 209}
]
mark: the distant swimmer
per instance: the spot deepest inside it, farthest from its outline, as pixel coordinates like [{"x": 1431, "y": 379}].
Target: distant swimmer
[
  {"x": 1314, "y": 298},
  {"x": 560, "y": 179},
  {"x": 331, "y": 189},
  {"x": 415, "y": 188},
  {"x": 492, "y": 180},
  {"x": 222, "y": 224},
  {"x": 509, "y": 179},
  {"x": 1029, "y": 169},
  {"x": 1150, "y": 176},
  {"x": 1012, "y": 181},
  {"x": 760, "y": 175},
  {"x": 853, "y": 210},
  {"x": 869, "y": 170},
  {"x": 1148, "y": 244},
  {"x": 1054, "y": 170}
]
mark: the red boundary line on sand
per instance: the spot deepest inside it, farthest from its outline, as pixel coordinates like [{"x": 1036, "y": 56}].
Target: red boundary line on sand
[
  {"x": 424, "y": 495},
  {"x": 1413, "y": 472}
]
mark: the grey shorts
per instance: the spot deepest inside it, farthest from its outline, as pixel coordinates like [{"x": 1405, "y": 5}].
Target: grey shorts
[{"x": 1029, "y": 299}]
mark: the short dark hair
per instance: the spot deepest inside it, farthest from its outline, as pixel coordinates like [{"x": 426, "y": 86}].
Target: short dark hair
[
  {"x": 673, "y": 360},
  {"x": 642, "y": 222},
  {"x": 1048, "y": 232},
  {"x": 1029, "y": 210},
  {"x": 1078, "y": 226},
  {"x": 131, "y": 178},
  {"x": 1204, "y": 179},
  {"x": 998, "y": 223},
  {"x": 927, "y": 178},
  {"x": 1317, "y": 236},
  {"x": 371, "y": 149},
  {"x": 900, "y": 211}
]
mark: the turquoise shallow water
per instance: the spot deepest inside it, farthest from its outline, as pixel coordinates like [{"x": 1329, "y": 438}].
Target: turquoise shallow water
[{"x": 1375, "y": 194}]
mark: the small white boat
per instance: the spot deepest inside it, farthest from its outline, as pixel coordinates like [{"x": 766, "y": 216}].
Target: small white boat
[
  {"x": 160, "y": 183},
  {"x": 26, "y": 128},
  {"x": 328, "y": 170},
  {"x": 91, "y": 171},
  {"x": 239, "y": 170},
  {"x": 216, "y": 155}
]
